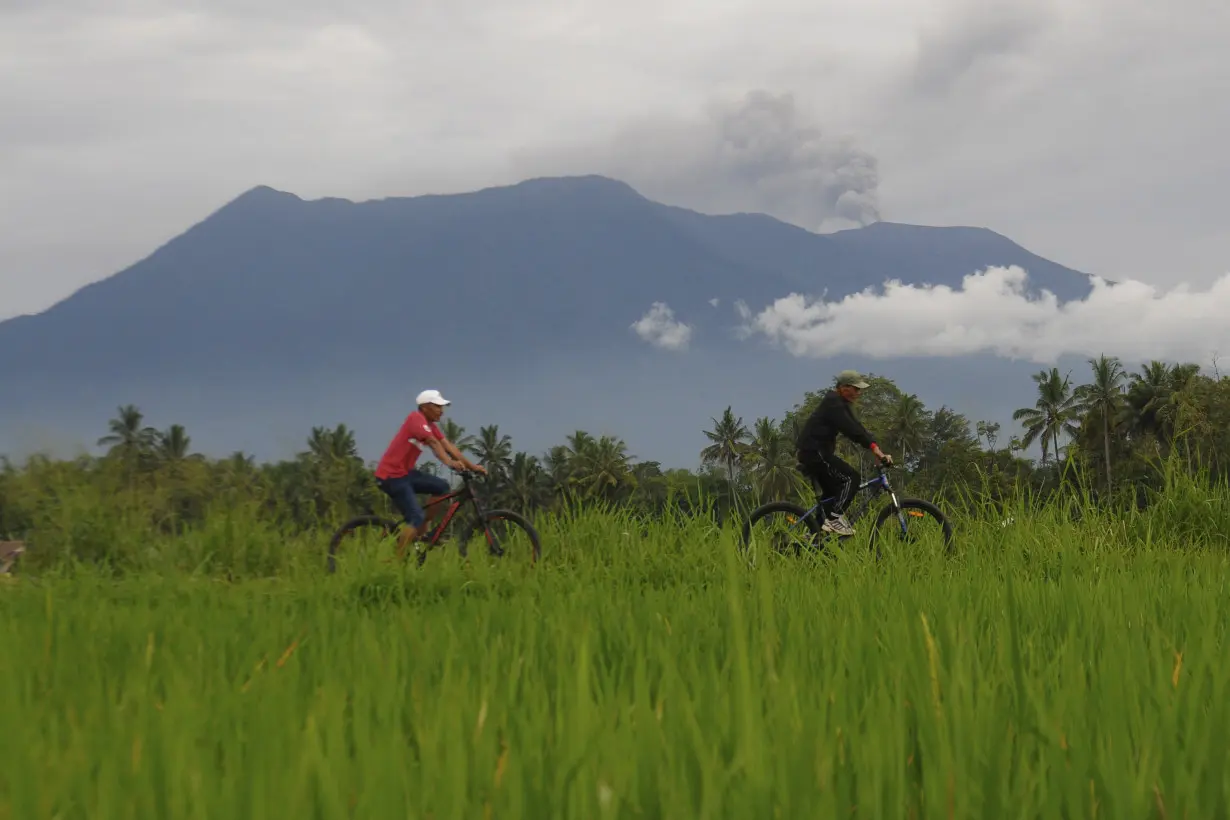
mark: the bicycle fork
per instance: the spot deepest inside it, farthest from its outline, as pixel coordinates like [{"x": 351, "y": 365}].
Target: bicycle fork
[{"x": 896, "y": 504}]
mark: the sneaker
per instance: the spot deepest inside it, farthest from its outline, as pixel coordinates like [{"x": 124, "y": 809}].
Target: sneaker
[{"x": 838, "y": 525}]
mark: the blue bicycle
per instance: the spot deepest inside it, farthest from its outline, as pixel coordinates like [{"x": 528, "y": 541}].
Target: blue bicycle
[{"x": 789, "y": 528}]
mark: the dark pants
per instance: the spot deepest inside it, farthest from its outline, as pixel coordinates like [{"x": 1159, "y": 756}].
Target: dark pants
[
  {"x": 404, "y": 489},
  {"x": 833, "y": 479}
]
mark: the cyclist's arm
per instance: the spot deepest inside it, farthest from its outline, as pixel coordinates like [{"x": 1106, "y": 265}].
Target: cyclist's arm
[
  {"x": 858, "y": 433},
  {"x": 442, "y": 453},
  {"x": 855, "y": 431},
  {"x": 456, "y": 453}
]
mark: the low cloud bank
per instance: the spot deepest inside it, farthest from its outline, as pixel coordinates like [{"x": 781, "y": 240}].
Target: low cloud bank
[{"x": 992, "y": 313}]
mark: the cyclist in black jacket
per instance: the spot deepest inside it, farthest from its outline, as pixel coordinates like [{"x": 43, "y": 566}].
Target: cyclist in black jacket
[{"x": 817, "y": 445}]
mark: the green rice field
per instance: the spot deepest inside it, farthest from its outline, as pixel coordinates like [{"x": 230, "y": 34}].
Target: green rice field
[{"x": 1058, "y": 666}]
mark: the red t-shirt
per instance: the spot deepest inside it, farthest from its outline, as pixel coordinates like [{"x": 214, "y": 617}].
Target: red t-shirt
[{"x": 403, "y": 451}]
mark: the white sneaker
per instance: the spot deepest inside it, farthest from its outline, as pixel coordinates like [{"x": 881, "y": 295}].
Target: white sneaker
[{"x": 838, "y": 525}]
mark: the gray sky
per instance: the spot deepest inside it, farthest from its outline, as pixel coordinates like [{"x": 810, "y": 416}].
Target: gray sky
[{"x": 1093, "y": 132}]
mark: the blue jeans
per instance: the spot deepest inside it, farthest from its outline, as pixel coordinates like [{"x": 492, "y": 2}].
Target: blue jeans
[{"x": 404, "y": 490}]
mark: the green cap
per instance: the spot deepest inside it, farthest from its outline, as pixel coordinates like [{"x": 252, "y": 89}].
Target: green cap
[{"x": 853, "y": 378}]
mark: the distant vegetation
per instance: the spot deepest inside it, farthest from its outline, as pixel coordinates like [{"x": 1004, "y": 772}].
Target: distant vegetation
[{"x": 1111, "y": 435}]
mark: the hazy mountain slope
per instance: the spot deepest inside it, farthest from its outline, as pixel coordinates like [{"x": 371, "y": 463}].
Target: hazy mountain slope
[{"x": 275, "y": 313}]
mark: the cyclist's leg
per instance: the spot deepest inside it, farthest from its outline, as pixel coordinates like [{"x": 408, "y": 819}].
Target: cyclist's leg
[
  {"x": 433, "y": 486},
  {"x": 840, "y": 481},
  {"x": 401, "y": 491},
  {"x": 812, "y": 468}
]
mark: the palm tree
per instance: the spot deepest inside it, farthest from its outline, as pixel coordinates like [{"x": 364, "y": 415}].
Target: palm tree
[
  {"x": 730, "y": 443},
  {"x": 1182, "y": 380},
  {"x": 527, "y": 483},
  {"x": 1148, "y": 391},
  {"x": 578, "y": 442},
  {"x": 568, "y": 462},
  {"x": 1156, "y": 395},
  {"x": 1103, "y": 398},
  {"x": 772, "y": 460},
  {"x": 241, "y": 462},
  {"x": 907, "y": 426},
  {"x": 604, "y": 468},
  {"x": 129, "y": 439},
  {"x": 337, "y": 444},
  {"x": 238, "y": 470},
  {"x": 494, "y": 450},
  {"x": 335, "y": 478},
  {"x": 558, "y": 463},
  {"x": 173, "y": 444},
  {"x": 457, "y": 434},
  {"x": 1052, "y": 414}
]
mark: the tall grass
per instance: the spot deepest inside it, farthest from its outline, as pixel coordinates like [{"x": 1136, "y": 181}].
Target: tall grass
[{"x": 1070, "y": 663}]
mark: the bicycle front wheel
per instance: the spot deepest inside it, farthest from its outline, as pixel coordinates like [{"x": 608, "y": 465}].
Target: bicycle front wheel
[
  {"x": 920, "y": 523},
  {"x": 505, "y": 533}
]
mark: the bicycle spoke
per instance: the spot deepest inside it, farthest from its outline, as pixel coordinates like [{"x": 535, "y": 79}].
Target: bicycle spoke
[
  {"x": 365, "y": 546},
  {"x": 921, "y": 532},
  {"x": 502, "y": 537},
  {"x": 782, "y": 532}
]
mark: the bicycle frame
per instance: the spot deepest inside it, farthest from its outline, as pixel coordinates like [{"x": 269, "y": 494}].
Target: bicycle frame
[
  {"x": 466, "y": 493},
  {"x": 448, "y": 503},
  {"x": 880, "y": 482}
]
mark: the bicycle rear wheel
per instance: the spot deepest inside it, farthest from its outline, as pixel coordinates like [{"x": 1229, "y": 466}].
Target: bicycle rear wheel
[
  {"x": 781, "y": 526},
  {"x": 364, "y": 532},
  {"x": 505, "y": 533}
]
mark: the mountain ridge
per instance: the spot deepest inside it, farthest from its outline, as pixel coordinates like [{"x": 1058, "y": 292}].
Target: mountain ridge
[{"x": 265, "y": 312}]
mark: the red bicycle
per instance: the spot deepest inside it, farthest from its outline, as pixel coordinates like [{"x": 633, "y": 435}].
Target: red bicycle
[{"x": 492, "y": 522}]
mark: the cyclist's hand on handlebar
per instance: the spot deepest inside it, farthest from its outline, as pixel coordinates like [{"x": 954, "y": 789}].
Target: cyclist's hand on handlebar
[{"x": 478, "y": 468}]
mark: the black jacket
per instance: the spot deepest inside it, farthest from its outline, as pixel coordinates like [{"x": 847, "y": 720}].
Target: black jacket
[{"x": 833, "y": 416}]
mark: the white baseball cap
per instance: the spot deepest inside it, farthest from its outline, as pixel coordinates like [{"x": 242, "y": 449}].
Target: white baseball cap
[{"x": 431, "y": 397}]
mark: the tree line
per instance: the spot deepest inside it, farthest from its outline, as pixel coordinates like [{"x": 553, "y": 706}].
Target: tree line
[{"x": 1108, "y": 434}]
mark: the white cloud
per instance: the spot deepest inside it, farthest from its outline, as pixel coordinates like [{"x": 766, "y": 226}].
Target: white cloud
[
  {"x": 660, "y": 328},
  {"x": 715, "y": 302},
  {"x": 991, "y": 312}
]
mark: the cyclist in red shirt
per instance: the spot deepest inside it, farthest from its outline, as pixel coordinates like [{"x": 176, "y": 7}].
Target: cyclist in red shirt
[{"x": 396, "y": 474}]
